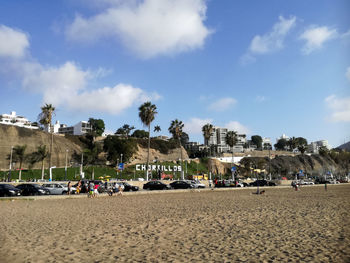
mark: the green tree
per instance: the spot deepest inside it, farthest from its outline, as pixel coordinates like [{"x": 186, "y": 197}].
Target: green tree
[
  {"x": 281, "y": 145},
  {"x": 97, "y": 126},
  {"x": 207, "y": 130},
  {"x": 45, "y": 118},
  {"x": 257, "y": 140},
  {"x": 292, "y": 143},
  {"x": 115, "y": 146},
  {"x": 140, "y": 134},
  {"x": 125, "y": 130},
  {"x": 231, "y": 140},
  {"x": 147, "y": 113},
  {"x": 19, "y": 156},
  {"x": 323, "y": 151},
  {"x": 39, "y": 156},
  {"x": 175, "y": 130},
  {"x": 301, "y": 144},
  {"x": 157, "y": 128},
  {"x": 267, "y": 146}
]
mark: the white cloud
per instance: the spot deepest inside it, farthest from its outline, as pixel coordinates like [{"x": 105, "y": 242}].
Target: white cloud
[
  {"x": 66, "y": 86},
  {"x": 315, "y": 37},
  {"x": 236, "y": 126},
  {"x": 347, "y": 74},
  {"x": 260, "y": 98},
  {"x": 13, "y": 43},
  {"x": 340, "y": 108},
  {"x": 149, "y": 28},
  {"x": 222, "y": 104},
  {"x": 194, "y": 125},
  {"x": 273, "y": 40}
]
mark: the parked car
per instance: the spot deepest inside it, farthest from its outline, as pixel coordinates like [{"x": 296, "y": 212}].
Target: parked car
[
  {"x": 321, "y": 181},
  {"x": 9, "y": 190},
  {"x": 197, "y": 184},
  {"x": 128, "y": 187},
  {"x": 155, "y": 185},
  {"x": 182, "y": 185},
  {"x": 262, "y": 183},
  {"x": 58, "y": 189},
  {"x": 32, "y": 189}
]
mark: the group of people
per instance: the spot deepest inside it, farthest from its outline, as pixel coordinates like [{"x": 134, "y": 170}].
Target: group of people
[{"x": 92, "y": 189}]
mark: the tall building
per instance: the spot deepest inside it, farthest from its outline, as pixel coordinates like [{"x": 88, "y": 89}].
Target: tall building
[
  {"x": 218, "y": 140},
  {"x": 315, "y": 146}
]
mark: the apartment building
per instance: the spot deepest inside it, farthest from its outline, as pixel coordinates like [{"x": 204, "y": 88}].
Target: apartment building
[{"x": 16, "y": 120}]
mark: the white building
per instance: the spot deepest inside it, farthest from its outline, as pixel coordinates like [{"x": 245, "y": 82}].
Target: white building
[
  {"x": 218, "y": 139},
  {"x": 315, "y": 146},
  {"x": 13, "y": 119},
  {"x": 80, "y": 128},
  {"x": 266, "y": 141},
  {"x": 283, "y": 136}
]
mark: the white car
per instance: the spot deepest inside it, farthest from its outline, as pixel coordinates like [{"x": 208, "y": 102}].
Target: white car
[
  {"x": 58, "y": 189},
  {"x": 197, "y": 184}
]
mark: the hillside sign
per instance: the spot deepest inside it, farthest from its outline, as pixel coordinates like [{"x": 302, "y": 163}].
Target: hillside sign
[{"x": 163, "y": 168}]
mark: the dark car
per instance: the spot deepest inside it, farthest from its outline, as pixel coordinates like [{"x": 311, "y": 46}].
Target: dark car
[
  {"x": 128, "y": 187},
  {"x": 262, "y": 183},
  {"x": 9, "y": 190},
  {"x": 155, "y": 185},
  {"x": 181, "y": 185},
  {"x": 32, "y": 189}
]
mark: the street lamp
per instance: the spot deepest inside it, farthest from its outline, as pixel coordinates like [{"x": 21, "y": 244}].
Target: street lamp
[
  {"x": 121, "y": 170},
  {"x": 65, "y": 168}
]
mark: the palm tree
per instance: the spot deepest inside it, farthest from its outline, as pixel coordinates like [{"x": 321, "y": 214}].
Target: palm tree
[
  {"x": 157, "y": 128},
  {"x": 19, "y": 156},
  {"x": 175, "y": 129},
  {"x": 39, "y": 156},
  {"x": 207, "y": 130},
  {"x": 45, "y": 118},
  {"x": 147, "y": 112},
  {"x": 231, "y": 140}
]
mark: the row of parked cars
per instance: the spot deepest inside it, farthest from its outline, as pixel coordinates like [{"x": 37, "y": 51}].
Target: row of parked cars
[
  {"x": 181, "y": 184},
  {"x": 232, "y": 183},
  {"x": 54, "y": 188}
]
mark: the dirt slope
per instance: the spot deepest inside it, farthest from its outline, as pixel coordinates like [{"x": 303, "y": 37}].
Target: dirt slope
[{"x": 12, "y": 136}]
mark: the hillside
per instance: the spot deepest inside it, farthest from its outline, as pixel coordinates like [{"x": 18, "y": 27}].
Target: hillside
[
  {"x": 286, "y": 165},
  {"x": 12, "y": 136},
  {"x": 345, "y": 146}
]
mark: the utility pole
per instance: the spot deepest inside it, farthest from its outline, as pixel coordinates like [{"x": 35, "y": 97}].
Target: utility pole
[
  {"x": 117, "y": 168},
  {"x": 81, "y": 164},
  {"x": 270, "y": 164},
  {"x": 9, "y": 176},
  {"x": 121, "y": 170},
  {"x": 233, "y": 172},
  {"x": 65, "y": 168}
]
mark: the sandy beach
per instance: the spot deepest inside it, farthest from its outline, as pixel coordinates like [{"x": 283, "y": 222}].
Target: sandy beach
[{"x": 283, "y": 225}]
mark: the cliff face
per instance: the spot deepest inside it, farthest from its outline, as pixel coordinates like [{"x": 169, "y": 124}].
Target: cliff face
[
  {"x": 286, "y": 165},
  {"x": 12, "y": 136},
  {"x": 141, "y": 155}
]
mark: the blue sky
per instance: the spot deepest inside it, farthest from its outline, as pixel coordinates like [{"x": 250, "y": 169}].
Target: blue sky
[{"x": 258, "y": 67}]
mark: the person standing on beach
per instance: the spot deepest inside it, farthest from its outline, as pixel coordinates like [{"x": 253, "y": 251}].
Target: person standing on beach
[{"x": 69, "y": 187}]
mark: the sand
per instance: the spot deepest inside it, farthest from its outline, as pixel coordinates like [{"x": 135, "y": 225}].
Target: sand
[{"x": 282, "y": 225}]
